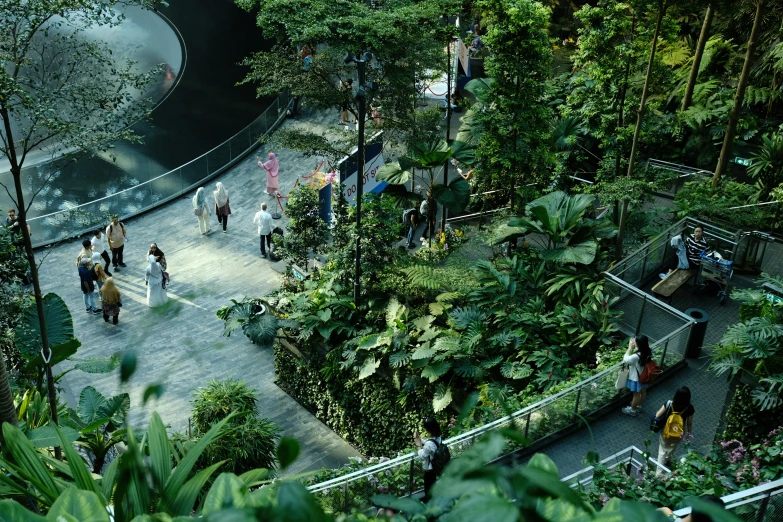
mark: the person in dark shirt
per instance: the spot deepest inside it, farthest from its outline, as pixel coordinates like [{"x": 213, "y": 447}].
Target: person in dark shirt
[
  {"x": 695, "y": 244},
  {"x": 87, "y": 286}
]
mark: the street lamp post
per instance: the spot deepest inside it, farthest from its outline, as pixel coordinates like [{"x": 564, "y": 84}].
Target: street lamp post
[{"x": 361, "y": 98}]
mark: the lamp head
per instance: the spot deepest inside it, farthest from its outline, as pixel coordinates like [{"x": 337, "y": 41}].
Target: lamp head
[
  {"x": 349, "y": 57},
  {"x": 367, "y": 56}
]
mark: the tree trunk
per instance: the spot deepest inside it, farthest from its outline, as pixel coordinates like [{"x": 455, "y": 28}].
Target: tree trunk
[
  {"x": 703, "y": 37},
  {"x": 618, "y": 253},
  {"x": 7, "y": 410},
  {"x": 16, "y": 172},
  {"x": 739, "y": 96}
]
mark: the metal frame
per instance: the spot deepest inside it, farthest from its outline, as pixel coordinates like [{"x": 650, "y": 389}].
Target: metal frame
[
  {"x": 759, "y": 493},
  {"x": 618, "y": 458}
]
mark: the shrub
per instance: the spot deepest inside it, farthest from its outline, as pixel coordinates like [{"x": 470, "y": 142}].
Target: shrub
[
  {"x": 247, "y": 441},
  {"x": 743, "y": 421}
]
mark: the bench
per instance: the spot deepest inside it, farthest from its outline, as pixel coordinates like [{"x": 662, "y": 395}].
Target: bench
[{"x": 672, "y": 282}]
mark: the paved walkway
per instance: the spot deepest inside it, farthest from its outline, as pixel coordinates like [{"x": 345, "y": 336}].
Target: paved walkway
[
  {"x": 617, "y": 431},
  {"x": 181, "y": 345}
]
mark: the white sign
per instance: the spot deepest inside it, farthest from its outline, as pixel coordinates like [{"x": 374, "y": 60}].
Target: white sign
[{"x": 370, "y": 183}]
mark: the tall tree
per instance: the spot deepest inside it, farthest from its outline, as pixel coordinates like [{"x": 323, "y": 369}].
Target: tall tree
[
  {"x": 638, "y": 128},
  {"x": 739, "y": 96},
  {"x": 704, "y": 35},
  {"x": 59, "y": 92},
  {"x": 514, "y": 145},
  {"x": 405, "y": 37}
]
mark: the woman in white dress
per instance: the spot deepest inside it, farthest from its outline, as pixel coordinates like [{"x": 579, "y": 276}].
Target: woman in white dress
[
  {"x": 156, "y": 294},
  {"x": 202, "y": 210}
]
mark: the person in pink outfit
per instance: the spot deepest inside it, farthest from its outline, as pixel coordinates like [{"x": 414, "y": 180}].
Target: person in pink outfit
[{"x": 271, "y": 167}]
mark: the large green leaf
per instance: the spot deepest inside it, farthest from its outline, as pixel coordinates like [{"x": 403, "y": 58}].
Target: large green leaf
[
  {"x": 393, "y": 174},
  {"x": 410, "y": 506},
  {"x": 98, "y": 364},
  {"x": 262, "y": 329},
  {"x": 582, "y": 253},
  {"x": 464, "y": 152},
  {"x": 431, "y": 154},
  {"x": 442, "y": 399},
  {"x": 46, "y": 436},
  {"x": 483, "y": 507},
  {"x": 298, "y": 504},
  {"x": 403, "y": 199},
  {"x": 369, "y": 367},
  {"x": 59, "y": 325},
  {"x": 455, "y": 196},
  {"x": 84, "y": 506},
  {"x": 185, "y": 497},
  {"x": 228, "y": 491},
  {"x": 480, "y": 87},
  {"x": 13, "y": 511},
  {"x": 81, "y": 477},
  {"x": 116, "y": 408},
  {"x": 59, "y": 353},
  {"x": 91, "y": 402},
  {"x": 27, "y": 463},
  {"x": 160, "y": 453}
]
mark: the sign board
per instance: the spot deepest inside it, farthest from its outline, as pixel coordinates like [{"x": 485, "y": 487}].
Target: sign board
[
  {"x": 348, "y": 172},
  {"x": 464, "y": 57},
  {"x": 742, "y": 161}
]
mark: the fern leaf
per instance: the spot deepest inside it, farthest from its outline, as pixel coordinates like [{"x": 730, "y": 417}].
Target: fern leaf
[
  {"x": 400, "y": 359},
  {"x": 434, "y": 371},
  {"x": 423, "y": 276}
]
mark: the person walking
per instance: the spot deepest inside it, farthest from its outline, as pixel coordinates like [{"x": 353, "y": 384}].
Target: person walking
[
  {"x": 272, "y": 168},
  {"x": 428, "y": 215},
  {"x": 428, "y": 454},
  {"x": 156, "y": 293},
  {"x": 636, "y": 357},
  {"x": 410, "y": 221},
  {"x": 98, "y": 247},
  {"x": 161, "y": 257},
  {"x": 87, "y": 286},
  {"x": 201, "y": 210},
  {"x": 677, "y": 419},
  {"x": 222, "y": 207},
  {"x": 111, "y": 300},
  {"x": 263, "y": 220},
  {"x": 86, "y": 251},
  {"x": 99, "y": 275},
  {"x": 116, "y": 236}
]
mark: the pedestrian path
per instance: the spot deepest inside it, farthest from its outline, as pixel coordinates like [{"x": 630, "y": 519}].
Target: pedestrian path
[
  {"x": 617, "y": 431},
  {"x": 181, "y": 345}
]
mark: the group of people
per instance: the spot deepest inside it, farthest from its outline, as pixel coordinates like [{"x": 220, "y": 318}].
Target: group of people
[
  {"x": 413, "y": 216},
  {"x": 674, "y": 418},
  {"x": 93, "y": 263},
  {"x": 689, "y": 251}
]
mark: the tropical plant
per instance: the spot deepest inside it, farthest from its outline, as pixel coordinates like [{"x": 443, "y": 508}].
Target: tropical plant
[
  {"x": 767, "y": 165},
  {"x": 247, "y": 440},
  {"x": 99, "y": 422},
  {"x": 254, "y": 317},
  {"x": 752, "y": 346},
  {"x": 427, "y": 157},
  {"x": 560, "y": 217}
]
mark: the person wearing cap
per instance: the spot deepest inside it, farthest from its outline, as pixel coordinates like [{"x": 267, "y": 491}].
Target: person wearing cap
[{"x": 87, "y": 286}]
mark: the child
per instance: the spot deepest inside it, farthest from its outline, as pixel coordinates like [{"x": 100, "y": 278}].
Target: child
[{"x": 98, "y": 273}]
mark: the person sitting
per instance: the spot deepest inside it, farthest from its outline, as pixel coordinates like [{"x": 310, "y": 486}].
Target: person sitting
[{"x": 689, "y": 251}]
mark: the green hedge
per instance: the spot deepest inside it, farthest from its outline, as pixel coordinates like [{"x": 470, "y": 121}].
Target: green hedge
[{"x": 364, "y": 413}]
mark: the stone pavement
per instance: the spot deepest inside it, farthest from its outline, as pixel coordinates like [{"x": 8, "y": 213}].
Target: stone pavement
[
  {"x": 181, "y": 345},
  {"x": 617, "y": 431}
]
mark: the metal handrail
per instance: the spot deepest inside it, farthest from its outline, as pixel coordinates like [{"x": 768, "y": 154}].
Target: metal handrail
[
  {"x": 744, "y": 497},
  {"x": 135, "y": 187},
  {"x": 476, "y": 432},
  {"x": 631, "y": 450},
  {"x": 650, "y": 299}
]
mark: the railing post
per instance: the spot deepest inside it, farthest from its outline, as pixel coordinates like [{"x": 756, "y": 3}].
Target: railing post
[
  {"x": 762, "y": 512},
  {"x": 576, "y": 405},
  {"x": 527, "y": 424},
  {"x": 663, "y": 354},
  {"x": 410, "y": 476},
  {"x": 630, "y": 463},
  {"x": 345, "y": 498},
  {"x": 230, "y": 156},
  {"x": 644, "y": 261},
  {"x": 641, "y": 315}
]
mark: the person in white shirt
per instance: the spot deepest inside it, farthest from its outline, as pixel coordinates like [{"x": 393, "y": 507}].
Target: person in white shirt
[
  {"x": 264, "y": 221},
  {"x": 427, "y": 451},
  {"x": 99, "y": 247}
]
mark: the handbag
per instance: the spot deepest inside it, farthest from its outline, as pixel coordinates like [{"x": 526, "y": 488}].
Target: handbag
[
  {"x": 198, "y": 211},
  {"x": 657, "y": 423},
  {"x": 622, "y": 378}
]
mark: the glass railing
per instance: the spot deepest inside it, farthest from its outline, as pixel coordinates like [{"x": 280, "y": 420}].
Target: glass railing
[
  {"x": 760, "y": 504},
  {"x": 145, "y": 196},
  {"x": 631, "y": 458}
]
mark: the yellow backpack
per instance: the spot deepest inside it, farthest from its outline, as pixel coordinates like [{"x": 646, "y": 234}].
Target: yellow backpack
[{"x": 675, "y": 425}]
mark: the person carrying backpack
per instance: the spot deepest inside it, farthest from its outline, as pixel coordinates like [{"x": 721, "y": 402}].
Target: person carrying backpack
[
  {"x": 434, "y": 454},
  {"x": 636, "y": 357},
  {"x": 676, "y": 421}
]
